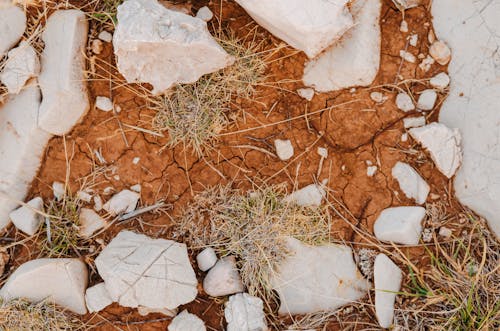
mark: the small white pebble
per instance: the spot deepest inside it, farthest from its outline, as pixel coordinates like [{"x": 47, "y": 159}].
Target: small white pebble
[
  {"x": 105, "y": 36},
  {"x": 427, "y": 100},
  {"x": 440, "y": 81},
  {"x": 378, "y": 97},
  {"x": 404, "y": 102},
  {"x": 306, "y": 93},
  {"x": 426, "y": 63},
  {"x": 431, "y": 37},
  {"x": 323, "y": 152},
  {"x": 368, "y": 162},
  {"x": 205, "y": 14},
  {"x": 371, "y": 170},
  {"x": 97, "y": 203},
  {"x": 116, "y": 177},
  {"x": 440, "y": 52},
  {"x": 404, "y": 137},
  {"x": 136, "y": 160},
  {"x": 445, "y": 232},
  {"x": 136, "y": 188},
  {"x": 97, "y": 46},
  {"x": 413, "y": 122},
  {"x": 404, "y": 26},
  {"x": 58, "y": 190},
  {"x": 414, "y": 40},
  {"x": 407, "y": 56},
  {"x": 352, "y": 90},
  {"x": 108, "y": 190},
  {"x": 104, "y": 103},
  {"x": 284, "y": 149},
  {"x": 84, "y": 196}
]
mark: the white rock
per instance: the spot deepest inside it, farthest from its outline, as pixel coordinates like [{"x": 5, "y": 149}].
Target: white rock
[
  {"x": 205, "y": 14},
  {"x": 62, "y": 80},
  {"x": 58, "y": 190},
  {"x": 404, "y": 137},
  {"x": 90, "y": 222},
  {"x": 104, "y": 103},
  {"x": 407, "y": 4},
  {"x": 83, "y": 196},
  {"x": 141, "y": 271},
  {"x": 317, "y": 278},
  {"x": 144, "y": 311},
  {"x": 21, "y": 148},
  {"x": 413, "y": 40},
  {"x": 355, "y": 59},
  {"x": 97, "y": 203},
  {"x": 22, "y": 64},
  {"x": 445, "y": 232},
  {"x": 440, "y": 52},
  {"x": 407, "y": 56},
  {"x": 310, "y": 27},
  {"x": 244, "y": 312},
  {"x": 97, "y": 298},
  {"x": 440, "y": 81},
  {"x": 413, "y": 122},
  {"x": 136, "y": 188},
  {"x": 323, "y": 152},
  {"x": 12, "y": 26},
  {"x": 404, "y": 102},
  {"x": 306, "y": 93},
  {"x": 402, "y": 225},
  {"x": 61, "y": 281},
  {"x": 122, "y": 202},
  {"x": 284, "y": 149},
  {"x": 426, "y": 63},
  {"x": 410, "y": 182},
  {"x": 387, "y": 279},
  {"x": 403, "y": 27},
  {"x": 472, "y": 31},
  {"x": 427, "y": 100},
  {"x": 28, "y": 218},
  {"x": 443, "y": 144},
  {"x": 97, "y": 46},
  {"x": 223, "y": 278},
  {"x": 163, "y": 47},
  {"x": 378, "y": 97},
  {"x": 206, "y": 259},
  {"x": 105, "y": 36},
  {"x": 186, "y": 322},
  {"x": 136, "y": 160},
  {"x": 310, "y": 195},
  {"x": 371, "y": 170}
]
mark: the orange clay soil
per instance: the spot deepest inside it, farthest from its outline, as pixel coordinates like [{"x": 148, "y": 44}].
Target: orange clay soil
[{"x": 355, "y": 130}]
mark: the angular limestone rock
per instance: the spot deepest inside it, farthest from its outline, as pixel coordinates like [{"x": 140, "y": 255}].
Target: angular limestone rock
[
  {"x": 284, "y": 149},
  {"x": 62, "y": 79},
  {"x": 443, "y": 144},
  {"x": 472, "y": 31},
  {"x": 440, "y": 81},
  {"x": 310, "y": 26},
  {"x": 122, "y": 202},
  {"x": 310, "y": 195},
  {"x": 26, "y": 218},
  {"x": 186, "y": 321},
  {"x": 141, "y": 271},
  {"x": 427, "y": 100},
  {"x": 404, "y": 102},
  {"x": 402, "y": 225},
  {"x": 387, "y": 279},
  {"x": 22, "y": 64},
  {"x": 223, "y": 279},
  {"x": 244, "y": 312},
  {"x": 21, "y": 148},
  {"x": 97, "y": 298},
  {"x": 61, "y": 281},
  {"x": 206, "y": 259},
  {"x": 410, "y": 182},
  {"x": 317, "y": 278},
  {"x": 90, "y": 222},
  {"x": 164, "y": 47},
  {"x": 355, "y": 59},
  {"x": 12, "y": 26}
]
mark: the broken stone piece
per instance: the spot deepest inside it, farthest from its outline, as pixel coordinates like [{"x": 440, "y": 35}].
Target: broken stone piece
[
  {"x": 387, "y": 279},
  {"x": 404, "y": 102},
  {"x": 407, "y": 56},
  {"x": 310, "y": 195},
  {"x": 244, "y": 312},
  {"x": 371, "y": 170},
  {"x": 330, "y": 280},
  {"x": 426, "y": 63},
  {"x": 104, "y": 103},
  {"x": 186, "y": 321},
  {"x": 59, "y": 190},
  {"x": 122, "y": 202},
  {"x": 440, "y": 52},
  {"x": 105, "y": 36},
  {"x": 413, "y": 122},
  {"x": 62, "y": 79},
  {"x": 61, "y": 281},
  {"x": 306, "y": 93},
  {"x": 402, "y": 225},
  {"x": 140, "y": 271},
  {"x": 90, "y": 222},
  {"x": 310, "y": 27},
  {"x": 97, "y": 46},
  {"x": 440, "y": 81},
  {"x": 12, "y": 26},
  {"x": 223, "y": 279},
  {"x": 407, "y": 4},
  {"x": 22, "y": 64},
  {"x": 97, "y": 298},
  {"x": 144, "y": 311},
  {"x": 205, "y": 14},
  {"x": 443, "y": 144},
  {"x": 284, "y": 149},
  {"x": 164, "y": 47},
  {"x": 427, "y": 100},
  {"x": 206, "y": 259},
  {"x": 27, "y": 218},
  {"x": 410, "y": 182},
  {"x": 378, "y": 97},
  {"x": 355, "y": 59}
]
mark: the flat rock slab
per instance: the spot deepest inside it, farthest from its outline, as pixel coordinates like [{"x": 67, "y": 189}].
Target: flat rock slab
[
  {"x": 12, "y": 26},
  {"x": 22, "y": 64},
  {"x": 164, "y": 47},
  {"x": 141, "y": 271},
  {"x": 310, "y": 26},
  {"x": 355, "y": 59},
  {"x": 317, "y": 278},
  {"x": 402, "y": 225},
  {"x": 244, "y": 312},
  {"x": 410, "y": 182},
  {"x": 61, "y": 281},
  {"x": 62, "y": 79},
  {"x": 472, "y": 30},
  {"x": 186, "y": 321},
  {"x": 387, "y": 279}
]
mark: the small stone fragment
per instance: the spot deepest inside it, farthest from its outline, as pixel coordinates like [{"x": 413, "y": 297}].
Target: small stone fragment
[
  {"x": 12, "y": 26},
  {"x": 413, "y": 40},
  {"x": 440, "y": 81},
  {"x": 97, "y": 203},
  {"x": 407, "y": 56},
  {"x": 378, "y": 97},
  {"x": 28, "y": 218},
  {"x": 310, "y": 195},
  {"x": 404, "y": 26},
  {"x": 97, "y": 298},
  {"x": 205, "y": 14},
  {"x": 90, "y": 222},
  {"x": 122, "y": 202},
  {"x": 105, "y": 36},
  {"x": 306, "y": 93},
  {"x": 136, "y": 188},
  {"x": 244, "y": 312},
  {"x": 284, "y": 149},
  {"x": 22, "y": 64},
  {"x": 404, "y": 102},
  {"x": 407, "y": 4},
  {"x": 84, "y": 196},
  {"x": 427, "y": 100},
  {"x": 402, "y": 225},
  {"x": 413, "y": 122},
  {"x": 104, "y": 103},
  {"x": 426, "y": 63},
  {"x": 206, "y": 259},
  {"x": 223, "y": 279},
  {"x": 387, "y": 279},
  {"x": 59, "y": 190},
  {"x": 186, "y": 321},
  {"x": 144, "y": 311},
  {"x": 371, "y": 170},
  {"x": 410, "y": 182},
  {"x": 440, "y": 52},
  {"x": 445, "y": 232}
]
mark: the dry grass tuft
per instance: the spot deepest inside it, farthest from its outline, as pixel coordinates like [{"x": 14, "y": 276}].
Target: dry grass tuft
[{"x": 20, "y": 315}]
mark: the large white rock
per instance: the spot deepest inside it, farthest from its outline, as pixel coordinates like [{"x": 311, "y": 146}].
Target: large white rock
[
  {"x": 387, "y": 279},
  {"x": 472, "y": 30},
  {"x": 355, "y": 59},
  {"x": 22, "y": 64},
  {"x": 97, "y": 298},
  {"x": 443, "y": 145},
  {"x": 310, "y": 26},
  {"x": 122, "y": 202},
  {"x": 223, "y": 279},
  {"x": 308, "y": 196},
  {"x": 410, "y": 182},
  {"x": 61, "y": 281},
  {"x": 186, "y": 321},
  {"x": 163, "y": 47},
  {"x": 244, "y": 312},
  {"x": 317, "y": 278},
  {"x": 141, "y": 271},
  {"x": 62, "y": 79},
  {"x": 402, "y": 225},
  {"x": 21, "y": 148},
  {"x": 12, "y": 26},
  {"x": 28, "y": 218}
]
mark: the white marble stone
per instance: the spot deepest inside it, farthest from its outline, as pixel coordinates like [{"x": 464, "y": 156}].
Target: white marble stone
[
  {"x": 206, "y": 259},
  {"x": 410, "y": 182},
  {"x": 122, "y": 202},
  {"x": 90, "y": 222},
  {"x": 27, "y": 218},
  {"x": 12, "y": 26},
  {"x": 186, "y": 321},
  {"x": 205, "y": 14},
  {"x": 22, "y": 64},
  {"x": 284, "y": 149},
  {"x": 223, "y": 278},
  {"x": 97, "y": 298},
  {"x": 404, "y": 102},
  {"x": 387, "y": 279},
  {"x": 244, "y": 312},
  {"x": 310, "y": 195},
  {"x": 427, "y": 100},
  {"x": 401, "y": 225},
  {"x": 103, "y": 103}
]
